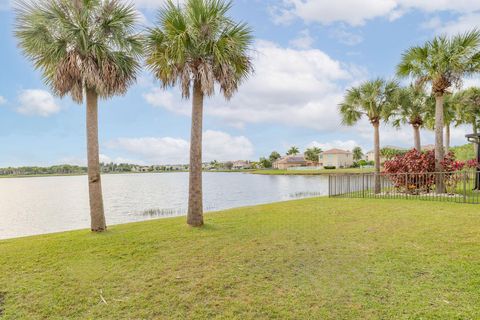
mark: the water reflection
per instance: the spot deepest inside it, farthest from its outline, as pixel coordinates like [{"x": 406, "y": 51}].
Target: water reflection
[{"x": 48, "y": 204}]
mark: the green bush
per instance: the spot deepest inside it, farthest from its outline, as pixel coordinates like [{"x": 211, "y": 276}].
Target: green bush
[{"x": 330, "y": 167}]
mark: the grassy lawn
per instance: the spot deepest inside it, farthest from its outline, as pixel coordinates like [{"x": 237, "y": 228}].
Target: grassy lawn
[
  {"x": 312, "y": 172},
  {"x": 308, "y": 259}
]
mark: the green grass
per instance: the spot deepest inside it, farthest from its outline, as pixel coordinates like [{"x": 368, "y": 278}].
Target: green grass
[
  {"x": 312, "y": 172},
  {"x": 464, "y": 152},
  {"x": 308, "y": 259}
]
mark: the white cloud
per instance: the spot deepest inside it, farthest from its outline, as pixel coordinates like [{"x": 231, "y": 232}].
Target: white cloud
[
  {"x": 461, "y": 24},
  {"x": 290, "y": 86},
  {"x": 346, "y": 37},
  {"x": 356, "y": 13},
  {"x": 217, "y": 145},
  {"x": 35, "y": 102},
  {"x": 2, "y": 100},
  {"x": 345, "y": 145},
  {"x": 303, "y": 41},
  {"x": 471, "y": 82}
]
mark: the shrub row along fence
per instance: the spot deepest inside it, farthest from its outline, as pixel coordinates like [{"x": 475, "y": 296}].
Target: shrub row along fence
[{"x": 457, "y": 186}]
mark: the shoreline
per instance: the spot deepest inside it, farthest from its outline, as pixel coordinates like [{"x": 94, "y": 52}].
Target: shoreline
[{"x": 249, "y": 171}]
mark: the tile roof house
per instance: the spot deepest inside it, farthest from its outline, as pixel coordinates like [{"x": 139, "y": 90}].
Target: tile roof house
[
  {"x": 337, "y": 158},
  {"x": 290, "y": 161},
  {"x": 241, "y": 164}
]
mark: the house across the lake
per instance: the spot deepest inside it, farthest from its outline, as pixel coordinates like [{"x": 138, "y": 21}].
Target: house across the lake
[
  {"x": 241, "y": 164},
  {"x": 290, "y": 162},
  {"x": 337, "y": 158}
]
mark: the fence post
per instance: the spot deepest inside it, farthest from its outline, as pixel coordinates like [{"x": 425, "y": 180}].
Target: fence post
[
  {"x": 363, "y": 185},
  {"x": 329, "y": 190},
  {"x": 406, "y": 185},
  {"x": 464, "y": 186}
]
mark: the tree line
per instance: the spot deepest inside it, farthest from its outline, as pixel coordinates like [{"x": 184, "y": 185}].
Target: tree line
[{"x": 436, "y": 69}]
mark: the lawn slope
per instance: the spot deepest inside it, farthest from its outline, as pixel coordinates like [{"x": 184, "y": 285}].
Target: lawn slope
[{"x": 308, "y": 259}]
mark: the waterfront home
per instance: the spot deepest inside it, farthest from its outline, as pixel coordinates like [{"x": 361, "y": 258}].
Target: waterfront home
[
  {"x": 337, "y": 158},
  {"x": 241, "y": 164},
  {"x": 290, "y": 162}
]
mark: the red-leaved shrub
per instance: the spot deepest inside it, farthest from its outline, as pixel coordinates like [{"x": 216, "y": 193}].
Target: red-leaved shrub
[{"x": 413, "y": 172}]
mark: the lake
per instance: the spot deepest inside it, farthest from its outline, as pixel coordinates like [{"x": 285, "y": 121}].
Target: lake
[{"x": 38, "y": 205}]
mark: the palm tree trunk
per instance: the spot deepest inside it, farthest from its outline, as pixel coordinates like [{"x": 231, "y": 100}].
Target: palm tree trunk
[
  {"x": 94, "y": 179},
  {"x": 439, "y": 151},
  {"x": 376, "y": 151},
  {"x": 447, "y": 137},
  {"x": 416, "y": 137},
  {"x": 195, "y": 201},
  {"x": 475, "y": 146}
]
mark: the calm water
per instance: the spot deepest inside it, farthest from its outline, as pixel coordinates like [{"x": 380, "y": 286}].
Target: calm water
[{"x": 31, "y": 206}]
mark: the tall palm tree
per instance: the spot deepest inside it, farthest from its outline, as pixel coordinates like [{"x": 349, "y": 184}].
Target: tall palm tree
[
  {"x": 375, "y": 100},
  {"x": 357, "y": 153},
  {"x": 412, "y": 108},
  {"x": 87, "y": 49},
  {"x": 442, "y": 62},
  {"x": 293, "y": 151},
  {"x": 449, "y": 115},
  {"x": 195, "y": 46}
]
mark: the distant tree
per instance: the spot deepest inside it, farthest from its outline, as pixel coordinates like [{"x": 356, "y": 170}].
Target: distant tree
[
  {"x": 375, "y": 100},
  {"x": 229, "y": 165},
  {"x": 390, "y": 153},
  {"x": 442, "y": 62},
  {"x": 293, "y": 151},
  {"x": 265, "y": 163},
  {"x": 313, "y": 154},
  {"x": 88, "y": 50},
  {"x": 357, "y": 154},
  {"x": 274, "y": 156}
]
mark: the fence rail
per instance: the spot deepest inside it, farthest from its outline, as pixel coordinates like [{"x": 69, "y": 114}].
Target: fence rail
[{"x": 458, "y": 186}]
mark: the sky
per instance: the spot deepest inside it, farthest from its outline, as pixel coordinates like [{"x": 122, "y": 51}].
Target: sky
[{"x": 306, "y": 53}]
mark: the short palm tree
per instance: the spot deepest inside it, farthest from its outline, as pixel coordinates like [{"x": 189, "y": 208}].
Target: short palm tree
[
  {"x": 468, "y": 108},
  {"x": 87, "y": 49},
  {"x": 196, "y": 45},
  {"x": 442, "y": 62},
  {"x": 293, "y": 151},
  {"x": 412, "y": 109},
  {"x": 357, "y": 154},
  {"x": 375, "y": 100}
]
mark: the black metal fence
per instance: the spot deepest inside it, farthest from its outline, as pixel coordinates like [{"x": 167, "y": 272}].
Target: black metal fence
[{"x": 459, "y": 186}]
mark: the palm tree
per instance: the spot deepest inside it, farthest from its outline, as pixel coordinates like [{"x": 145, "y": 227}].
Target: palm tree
[
  {"x": 468, "y": 109},
  {"x": 412, "y": 108},
  {"x": 88, "y": 50},
  {"x": 375, "y": 100},
  {"x": 293, "y": 151},
  {"x": 313, "y": 154},
  {"x": 449, "y": 115},
  {"x": 274, "y": 156},
  {"x": 196, "y": 45},
  {"x": 357, "y": 154},
  {"x": 442, "y": 62}
]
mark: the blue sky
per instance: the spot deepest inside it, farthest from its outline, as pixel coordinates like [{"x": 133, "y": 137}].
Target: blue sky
[{"x": 307, "y": 52}]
